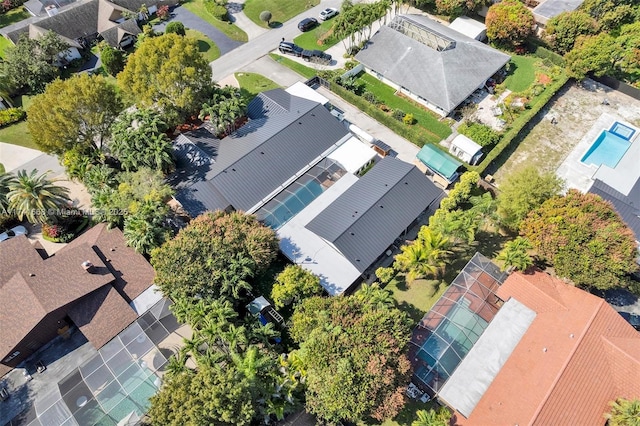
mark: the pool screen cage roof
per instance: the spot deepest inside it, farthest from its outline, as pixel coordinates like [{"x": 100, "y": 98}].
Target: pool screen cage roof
[
  {"x": 446, "y": 334},
  {"x": 299, "y": 194}
]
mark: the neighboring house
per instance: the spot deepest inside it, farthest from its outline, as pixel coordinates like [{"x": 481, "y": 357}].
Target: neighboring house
[
  {"x": 443, "y": 168},
  {"x": 429, "y": 62},
  {"x": 91, "y": 283},
  {"x": 627, "y": 205},
  {"x": 466, "y": 149},
  {"x": 295, "y": 166},
  {"x": 552, "y": 8},
  {"x": 470, "y": 28},
  {"x": 81, "y": 24},
  {"x": 535, "y": 351}
]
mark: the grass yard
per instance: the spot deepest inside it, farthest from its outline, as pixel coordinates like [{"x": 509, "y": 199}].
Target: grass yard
[
  {"x": 281, "y": 10},
  {"x": 206, "y": 46},
  {"x": 523, "y": 75},
  {"x": 17, "y": 134},
  {"x": 231, "y": 30},
  {"x": 304, "y": 71},
  {"x": 424, "y": 119},
  {"x": 4, "y": 43},
  {"x": 13, "y": 16},
  {"x": 252, "y": 84},
  {"x": 309, "y": 40},
  {"x": 414, "y": 298}
]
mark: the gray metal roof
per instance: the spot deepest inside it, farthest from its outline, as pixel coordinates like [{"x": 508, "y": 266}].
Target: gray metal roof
[
  {"x": 550, "y": 8},
  {"x": 287, "y": 135},
  {"x": 444, "y": 78},
  {"x": 628, "y": 206},
  {"x": 372, "y": 213}
]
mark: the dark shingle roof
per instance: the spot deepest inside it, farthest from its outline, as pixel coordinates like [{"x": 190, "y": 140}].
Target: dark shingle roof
[
  {"x": 628, "y": 206},
  {"x": 444, "y": 78},
  {"x": 372, "y": 213},
  {"x": 286, "y": 134}
]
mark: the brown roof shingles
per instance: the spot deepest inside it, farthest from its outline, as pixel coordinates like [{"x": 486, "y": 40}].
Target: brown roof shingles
[{"x": 565, "y": 369}]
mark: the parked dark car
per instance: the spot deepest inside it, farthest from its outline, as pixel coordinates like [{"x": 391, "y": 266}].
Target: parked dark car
[
  {"x": 307, "y": 23},
  {"x": 632, "y": 319},
  {"x": 316, "y": 56},
  {"x": 290, "y": 48}
]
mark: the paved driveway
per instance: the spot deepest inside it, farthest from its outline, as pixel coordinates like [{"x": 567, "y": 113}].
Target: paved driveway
[{"x": 194, "y": 22}]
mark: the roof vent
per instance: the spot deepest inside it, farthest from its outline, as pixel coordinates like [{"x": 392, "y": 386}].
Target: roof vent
[
  {"x": 571, "y": 336},
  {"x": 32, "y": 274},
  {"x": 113, "y": 249},
  {"x": 87, "y": 266},
  {"x": 544, "y": 349}
]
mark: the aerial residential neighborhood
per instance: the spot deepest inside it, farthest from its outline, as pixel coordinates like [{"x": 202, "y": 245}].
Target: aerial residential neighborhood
[{"x": 319, "y": 212}]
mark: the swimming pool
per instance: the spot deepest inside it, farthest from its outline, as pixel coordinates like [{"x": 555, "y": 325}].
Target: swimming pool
[
  {"x": 289, "y": 203},
  {"x": 609, "y": 147}
]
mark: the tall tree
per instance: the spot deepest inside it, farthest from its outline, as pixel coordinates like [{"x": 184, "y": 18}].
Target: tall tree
[
  {"x": 562, "y": 30},
  {"x": 509, "y": 23},
  {"x": 6, "y": 181},
  {"x": 167, "y": 72},
  {"x": 73, "y": 112},
  {"x": 32, "y": 61},
  {"x": 432, "y": 417},
  {"x": 35, "y": 197},
  {"x": 215, "y": 255},
  {"x": 425, "y": 256},
  {"x": 624, "y": 412},
  {"x": 592, "y": 54},
  {"x": 523, "y": 191},
  {"x": 515, "y": 255},
  {"x": 354, "y": 354},
  {"x": 293, "y": 285},
  {"x": 584, "y": 238},
  {"x": 112, "y": 59}
]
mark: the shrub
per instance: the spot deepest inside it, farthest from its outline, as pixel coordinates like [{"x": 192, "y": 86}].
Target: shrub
[
  {"x": 216, "y": 10},
  {"x": 11, "y": 115},
  {"x": 349, "y": 65},
  {"x": 163, "y": 13},
  {"x": 370, "y": 97},
  {"x": 385, "y": 274},
  {"x": 175, "y": 27},
  {"x": 265, "y": 16},
  {"x": 7, "y": 221},
  {"x": 481, "y": 134},
  {"x": 112, "y": 59},
  {"x": 398, "y": 114},
  {"x": 408, "y": 119}
]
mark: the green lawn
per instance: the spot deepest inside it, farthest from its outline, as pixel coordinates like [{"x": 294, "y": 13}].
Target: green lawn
[
  {"x": 205, "y": 45},
  {"x": 23, "y": 101},
  {"x": 231, "y": 30},
  {"x": 281, "y": 10},
  {"x": 425, "y": 119},
  {"x": 252, "y": 84},
  {"x": 524, "y": 74},
  {"x": 13, "y": 16},
  {"x": 304, "y": 71},
  {"x": 414, "y": 299},
  {"x": 4, "y": 43},
  {"x": 309, "y": 40},
  {"x": 17, "y": 134}
]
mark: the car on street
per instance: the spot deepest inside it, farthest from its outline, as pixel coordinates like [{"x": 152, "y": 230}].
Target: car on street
[
  {"x": 316, "y": 56},
  {"x": 290, "y": 48},
  {"x": 307, "y": 23},
  {"x": 14, "y": 232},
  {"x": 328, "y": 13}
]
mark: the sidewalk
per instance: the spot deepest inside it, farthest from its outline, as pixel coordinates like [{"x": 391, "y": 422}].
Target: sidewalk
[{"x": 237, "y": 16}]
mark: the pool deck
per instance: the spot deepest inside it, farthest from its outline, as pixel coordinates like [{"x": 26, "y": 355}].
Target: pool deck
[{"x": 580, "y": 176}]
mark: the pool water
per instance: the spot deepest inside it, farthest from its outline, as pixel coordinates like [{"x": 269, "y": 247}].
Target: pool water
[
  {"x": 292, "y": 205},
  {"x": 607, "y": 150}
]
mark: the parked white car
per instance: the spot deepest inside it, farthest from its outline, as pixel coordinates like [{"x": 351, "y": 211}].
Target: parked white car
[
  {"x": 14, "y": 232},
  {"x": 328, "y": 13}
]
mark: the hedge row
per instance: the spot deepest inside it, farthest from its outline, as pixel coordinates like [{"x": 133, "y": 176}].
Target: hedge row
[
  {"x": 542, "y": 52},
  {"x": 519, "y": 124},
  {"x": 216, "y": 10},
  {"x": 11, "y": 115},
  {"x": 407, "y": 132}
]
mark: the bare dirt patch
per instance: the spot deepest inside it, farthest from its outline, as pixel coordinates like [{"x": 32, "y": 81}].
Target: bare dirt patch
[{"x": 574, "y": 110}]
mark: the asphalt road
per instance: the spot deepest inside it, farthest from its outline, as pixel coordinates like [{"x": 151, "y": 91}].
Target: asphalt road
[{"x": 244, "y": 55}]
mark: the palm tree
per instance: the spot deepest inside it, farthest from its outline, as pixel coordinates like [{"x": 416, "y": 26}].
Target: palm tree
[
  {"x": 375, "y": 296},
  {"x": 36, "y": 198},
  {"x": 142, "y": 234},
  {"x": 426, "y": 256},
  {"x": 159, "y": 153},
  {"x": 624, "y": 412},
  {"x": 432, "y": 417},
  {"x": 233, "y": 280},
  {"x": 6, "y": 180},
  {"x": 515, "y": 255}
]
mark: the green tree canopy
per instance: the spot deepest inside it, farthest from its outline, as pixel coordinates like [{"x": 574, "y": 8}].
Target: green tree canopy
[
  {"x": 584, "y": 238},
  {"x": 509, "y": 22},
  {"x": 624, "y": 412},
  {"x": 354, "y": 353},
  {"x": 523, "y": 191},
  {"x": 427, "y": 255},
  {"x": 216, "y": 255},
  {"x": 594, "y": 54},
  {"x": 73, "y": 112},
  {"x": 167, "y": 72},
  {"x": 293, "y": 285},
  {"x": 175, "y": 27},
  {"x": 432, "y": 417},
  {"x": 455, "y": 8},
  {"x": 112, "y": 59},
  {"x": 562, "y": 30},
  {"x": 515, "y": 255},
  {"x": 31, "y": 62},
  {"x": 34, "y": 197}
]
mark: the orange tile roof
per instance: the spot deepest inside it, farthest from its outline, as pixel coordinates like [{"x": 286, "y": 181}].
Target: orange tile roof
[{"x": 577, "y": 355}]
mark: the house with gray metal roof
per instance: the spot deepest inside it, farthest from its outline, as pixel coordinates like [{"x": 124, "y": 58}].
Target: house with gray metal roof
[
  {"x": 430, "y": 62},
  {"x": 285, "y": 137},
  {"x": 551, "y": 8}
]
